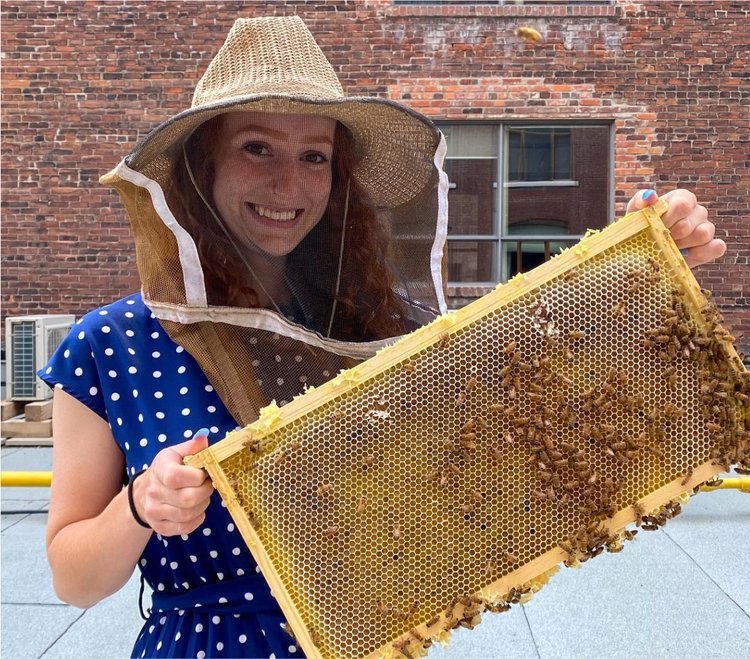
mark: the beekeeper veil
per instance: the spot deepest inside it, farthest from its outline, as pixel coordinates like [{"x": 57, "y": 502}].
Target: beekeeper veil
[{"x": 265, "y": 323}]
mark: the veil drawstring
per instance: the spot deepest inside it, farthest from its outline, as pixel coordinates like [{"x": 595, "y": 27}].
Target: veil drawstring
[{"x": 341, "y": 260}]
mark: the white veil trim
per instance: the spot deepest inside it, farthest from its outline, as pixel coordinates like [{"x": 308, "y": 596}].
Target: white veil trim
[
  {"x": 441, "y": 229},
  {"x": 195, "y": 285},
  {"x": 267, "y": 320}
]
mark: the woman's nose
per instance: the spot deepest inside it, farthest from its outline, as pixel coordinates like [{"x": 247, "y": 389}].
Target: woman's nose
[{"x": 285, "y": 179}]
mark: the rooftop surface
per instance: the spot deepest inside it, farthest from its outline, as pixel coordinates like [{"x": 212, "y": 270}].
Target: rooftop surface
[{"x": 681, "y": 591}]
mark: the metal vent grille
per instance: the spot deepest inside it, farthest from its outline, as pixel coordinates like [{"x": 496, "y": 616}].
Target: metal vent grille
[
  {"x": 450, "y": 474},
  {"x": 32, "y": 340},
  {"x": 23, "y": 345}
]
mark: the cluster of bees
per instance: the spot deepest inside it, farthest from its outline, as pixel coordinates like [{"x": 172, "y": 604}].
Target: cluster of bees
[
  {"x": 563, "y": 469},
  {"x": 724, "y": 388},
  {"x": 462, "y": 611}
]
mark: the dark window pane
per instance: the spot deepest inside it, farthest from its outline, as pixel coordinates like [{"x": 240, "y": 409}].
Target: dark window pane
[
  {"x": 524, "y": 255},
  {"x": 471, "y": 199},
  {"x": 538, "y": 154},
  {"x": 575, "y": 198},
  {"x": 470, "y": 261}
]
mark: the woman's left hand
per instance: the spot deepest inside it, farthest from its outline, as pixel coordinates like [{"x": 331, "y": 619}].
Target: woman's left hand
[{"x": 688, "y": 222}]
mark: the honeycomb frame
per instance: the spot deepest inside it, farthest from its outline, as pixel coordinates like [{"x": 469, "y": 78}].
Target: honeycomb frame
[{"x": 539, "y": 451}]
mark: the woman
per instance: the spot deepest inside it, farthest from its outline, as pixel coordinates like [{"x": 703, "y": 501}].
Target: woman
[{"x": 283, "y": 231}]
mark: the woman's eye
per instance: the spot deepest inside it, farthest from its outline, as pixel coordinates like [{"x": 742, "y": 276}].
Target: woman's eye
[
  {"x": 256, "y": 149},
  {"x": 316, "y": 158}
]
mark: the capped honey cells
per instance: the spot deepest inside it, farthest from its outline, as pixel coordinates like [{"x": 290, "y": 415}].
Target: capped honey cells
[{"x": 450, "y": 475}]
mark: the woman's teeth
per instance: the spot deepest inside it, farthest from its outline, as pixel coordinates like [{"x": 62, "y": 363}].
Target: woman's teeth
[{"x": 279, "y": 216}]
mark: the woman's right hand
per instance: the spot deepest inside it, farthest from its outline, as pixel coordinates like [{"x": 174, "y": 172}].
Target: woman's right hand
[{"x": 170, "y": 496}]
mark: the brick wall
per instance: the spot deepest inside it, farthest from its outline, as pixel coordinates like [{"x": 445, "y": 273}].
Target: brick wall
[{"x": 83, "y": 81}]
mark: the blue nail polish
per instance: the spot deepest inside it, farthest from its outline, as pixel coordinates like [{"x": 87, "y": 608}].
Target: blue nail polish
[
  {"x": 201, "y": 431},
  {"x": 684, "y": 251},
  {"x": 647, "y": 194}
]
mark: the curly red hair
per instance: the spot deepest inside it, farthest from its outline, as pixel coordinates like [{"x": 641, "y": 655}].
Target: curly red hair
[{"x": 367, "y": 306}]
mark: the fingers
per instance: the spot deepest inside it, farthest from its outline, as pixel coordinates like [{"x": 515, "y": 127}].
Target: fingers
[
  {"x": 173, "y": 512},
  {"x": 194, "y": 445},
  {"x": 706, "y": 253},
  {"x": 641, "y": 199},
  {"x": 171, "y": 496},
  {"x": 683, "y": 205},
  {"x": 688, "y": 223}
]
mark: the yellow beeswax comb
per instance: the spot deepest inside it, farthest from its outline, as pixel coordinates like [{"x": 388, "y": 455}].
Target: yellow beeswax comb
[{"x": 453, "y": 472}]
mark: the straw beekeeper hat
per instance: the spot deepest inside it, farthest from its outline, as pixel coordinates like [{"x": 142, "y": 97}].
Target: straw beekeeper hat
[{"x": 272, "y": 64}]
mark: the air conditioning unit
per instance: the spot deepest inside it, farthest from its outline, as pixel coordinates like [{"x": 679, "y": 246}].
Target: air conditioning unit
[{"x": 30, "y": 341}]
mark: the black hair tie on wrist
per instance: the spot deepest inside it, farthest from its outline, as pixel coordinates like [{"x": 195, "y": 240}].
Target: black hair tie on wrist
[{"x": 134, "y": 512}]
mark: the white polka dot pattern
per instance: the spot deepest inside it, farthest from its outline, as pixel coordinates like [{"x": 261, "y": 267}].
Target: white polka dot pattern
[{"x": 113, "y": 362}]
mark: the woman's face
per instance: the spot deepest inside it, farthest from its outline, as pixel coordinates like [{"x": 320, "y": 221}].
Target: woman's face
[{"x": 272, "y": 177}]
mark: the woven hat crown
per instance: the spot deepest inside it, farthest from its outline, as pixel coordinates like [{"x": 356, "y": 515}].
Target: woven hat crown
[{"x": 268, "y": 55}]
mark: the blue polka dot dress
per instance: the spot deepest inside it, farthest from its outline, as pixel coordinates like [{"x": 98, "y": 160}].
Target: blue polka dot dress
[{"x": 209, "y": 598}]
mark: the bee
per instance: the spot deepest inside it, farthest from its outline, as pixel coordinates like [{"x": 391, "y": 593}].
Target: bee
[
  {"x": 332, "y": 531},
  {"x": 382, "y": 608},
  {"x": 337, "y": 415},
  {"x": 280, "y": 458},
  {"x": 432, "y": 621},
  {"x": 471, "y": 385},
  {"x": 638, "y": 513},
  {"x": 314, "y": 636},
  {"x": 416, "y": 635},
  {"x": 411, "y": 611},
  {"x": 396, "y": 531},
  {"x": 252, "y": 444},
  {"x": 444, "y": 340},
  {"x": 509, "y": 558},
  {"x": 510, "y": 348},
  {"x": 402, "y": 647},
  {"x": 409, "y": 368},
  {"x": 324, "y": 488},
  {"x": 714, "y": 427},
  {"x": 576, "y": 334},
  {"x": 501, "y": 607},
  {"x": 468, "y": 427},
  {"x": 461, "y": 399},
  {"x": 287, "y": 628},
  {"x": 619, "y": 309},
  {"x": 571, "y": 274},
  {"x": 361, "y": 505},
  {"x": 253, "y": 519},
  {"x": 295, "y": 445},
  {"x": 568, "y": 355}
]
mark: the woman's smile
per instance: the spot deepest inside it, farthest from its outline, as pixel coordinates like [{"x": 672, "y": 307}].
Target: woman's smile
[{"x": 285, "y": 217}]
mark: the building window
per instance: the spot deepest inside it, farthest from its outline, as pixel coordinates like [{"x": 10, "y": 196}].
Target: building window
[{"x": 556, "y": 183}]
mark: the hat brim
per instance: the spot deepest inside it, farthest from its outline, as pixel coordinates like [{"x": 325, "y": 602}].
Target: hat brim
[{"x": 396, "y": 145}]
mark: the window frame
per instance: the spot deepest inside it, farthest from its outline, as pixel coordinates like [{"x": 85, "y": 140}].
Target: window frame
[{"x": 500, "y": 236}]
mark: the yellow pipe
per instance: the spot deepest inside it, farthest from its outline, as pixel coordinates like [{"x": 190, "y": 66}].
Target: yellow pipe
[
  {"x": 25, "y": 478},
  {"x": 44, "y": 479},
  {"x": 741, "y": 483}
]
